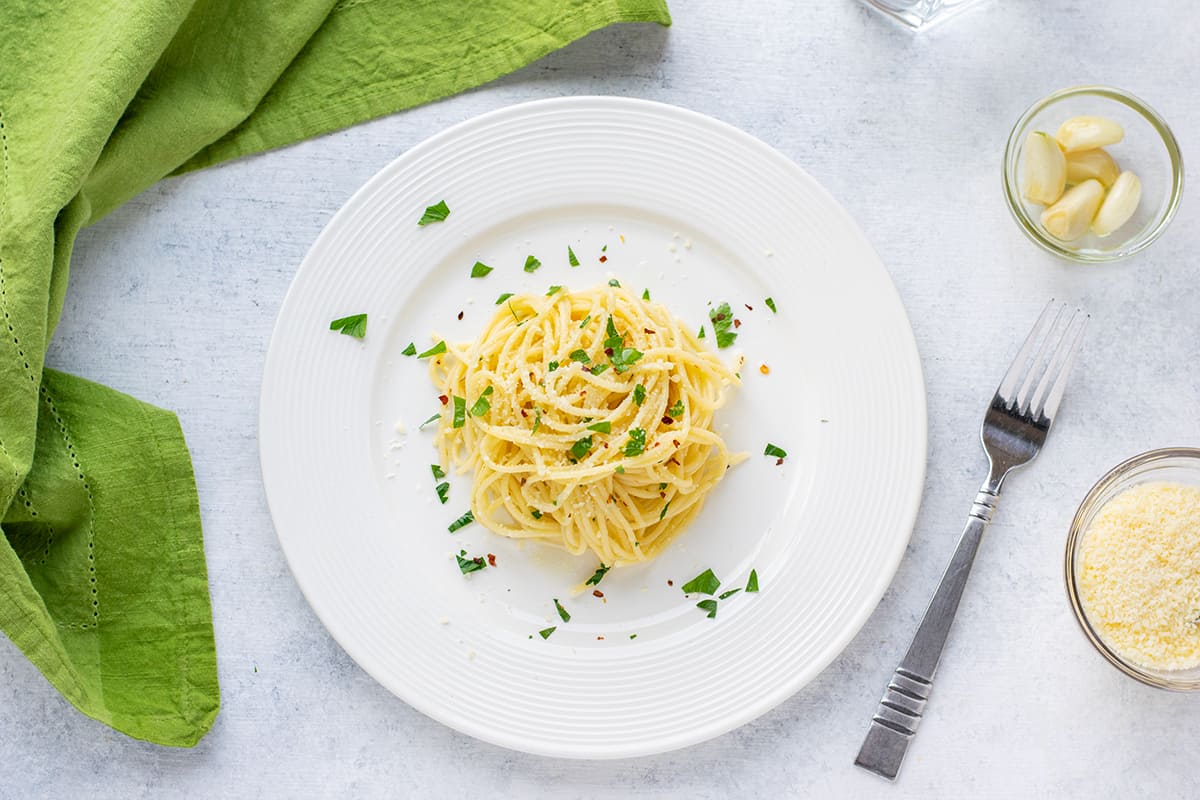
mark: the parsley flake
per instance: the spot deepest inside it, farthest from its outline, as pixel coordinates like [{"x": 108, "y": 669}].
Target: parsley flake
[
  {"x": 597, "y": 576},
  {"x": 503, "y": 297},
  {"x": 677, "y": 409},
  {"x": 553, "y": 365},
  {"x": 553, "y": 290},
  {"x": 722, "y": 320},
  {"x": 614, "y": 282},
  {"x": 531, "y": 263},
  {"x": 482, "y": 406},
  {"x": 637, "y": 442},
  {"x": 533, "y": 512},
  {"x": 596, "y": 369},
  {"x": 465, "y": 520},
  {"x": 468, "y": 565},
  {"x": 571, "y": 259},
  {"x": 562, "y": 612},
  {"x": 620, "y": 470},
  {"x": 411, "y": 350},
  {"x": 752, "y": 584},
  {"x": 537, "y": 421},
  {"x": 639, "y": 394},
  {"x": 625, "y": 358},
  {"x": 704, "y": 583},
  {"x": 581, "y": 447},
  {"x": 771, "y": 305},
  {"x": 460, "y": 411},
  {"x": 601, "y": 427},
  {"x": 730, "y": 593},
  {"x": 434, "y": 418},
  {"x": 443, "y": 492},
  {"x": 646, "y": 294},
  {"x": 586, "y": 320},
  {"x": 354, "y": 325},
  {"x": 545, "y": 632},
  {"x": 480, "y": 270},
  {"x": 710, "y": 606},
  {"x": 775, "y": 452},
  {"x": 437, "y": 349},
  {"x": 438, "y": 472},
  {"x": 662, "y": 514},
  {"x": 700, "y": 335},
  {"x": 435, "y": 213},
  {"x": 581, "y": 356}
]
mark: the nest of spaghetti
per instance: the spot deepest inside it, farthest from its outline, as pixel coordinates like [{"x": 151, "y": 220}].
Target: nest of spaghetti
[{"x": 587, "y": 418}]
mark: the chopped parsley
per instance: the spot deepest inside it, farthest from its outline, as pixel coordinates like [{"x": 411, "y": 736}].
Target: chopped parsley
[
  {"x": 582, "y": 447},
  {"x": 537, "y": 420},
  {"x": 586, "y": 320},
  {"x": 771, "y": 305},
  {"x": 730, "y": 593},
  {"x": 601, "y": 427},
  {"x": 581, "y": 356},
  {"x": 639, "y": 394},
  {"x": 562, "y": 612},
  {"x": 604, "y": 249},
  {"x": 468, "y": 565},
  {"x": 662, "y": 514},
  {"x": 437, "y": 349},
  {"x": 434, "y": 418},
  {"x": 614, "y": 339},
  {"x": 435, "y": 213},
  {"x": 571, "y": 259},
  {"x": 480, "y": 270},
  {"x": 596, "y": 369},
  {"x": 704, "y": 583},
  {"x": 722, "y": 320},
  {"x": 633, "y": 636},
  {"x": 533, "y": 512},
  {"x": 620, "y": 470},
  {"x": 637, "y": 442},
  {"x": 677, "y": 409},
  {"x": 411, "y": 350},
  {"x": 460, "y": 411},
  {"x": 443, "y": 492},
  {"x": 777, "y": 452},
  {"x": 701, "y": 334},
  {"x": 545, "y": 632},
  {"x": 645, "y": 294},
  {"x": 597, "y": 576},
  {"x": 625, "y": 358},
  {"x": 553, "y": 290},
  {"x": 438, "y": 472},
  {"x": 465, "y": 520},
  {"x": 354, "y": 325},
  {"x": 613, "y": 281},
  {"x": 531, "y": 263},
  {"x": 482, "y": 406},
  {"x": 710, "y": 606},
  {"x": 553, "y": 365},
  {"x": 503, "y": 297},
  {"x": 752, "y": 584}
]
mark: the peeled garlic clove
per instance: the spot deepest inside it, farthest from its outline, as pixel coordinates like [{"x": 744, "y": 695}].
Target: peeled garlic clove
[
  {"x": 1044, "y": 169},
  {"x": 1119, "y": 205},
  {"x": 1088, "y": 133},
  {"x": 1069, "y": 218},
  {"x": 1083, "y": 165}
]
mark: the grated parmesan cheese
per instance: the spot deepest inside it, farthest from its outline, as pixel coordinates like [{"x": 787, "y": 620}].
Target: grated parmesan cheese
[{"x": 1139, "y": 575}]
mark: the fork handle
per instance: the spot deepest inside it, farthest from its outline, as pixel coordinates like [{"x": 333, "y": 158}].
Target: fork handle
[{"x": 899, "y": 712}]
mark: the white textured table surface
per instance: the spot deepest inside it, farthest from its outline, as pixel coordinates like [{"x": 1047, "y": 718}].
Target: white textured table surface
[{"x": 173, "y": 299}]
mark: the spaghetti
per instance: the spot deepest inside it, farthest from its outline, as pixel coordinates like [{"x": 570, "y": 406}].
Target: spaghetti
[{"x": 587, "y": 418}]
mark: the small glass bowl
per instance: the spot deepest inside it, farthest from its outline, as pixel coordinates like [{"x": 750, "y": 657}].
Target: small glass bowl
[
  {"x": 1149, "y": 149},
  {"x": 1174, "y": 465}
]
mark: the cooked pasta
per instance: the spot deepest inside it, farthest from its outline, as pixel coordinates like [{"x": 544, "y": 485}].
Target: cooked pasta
[{"x": 587, "y": 418}]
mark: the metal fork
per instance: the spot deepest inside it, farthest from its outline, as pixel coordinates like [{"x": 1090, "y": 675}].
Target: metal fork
[{"x": 1014, "y": 429}]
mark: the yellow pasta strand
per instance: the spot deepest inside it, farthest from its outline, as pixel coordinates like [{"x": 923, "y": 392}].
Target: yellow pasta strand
[{"x": 540, "y": 473}]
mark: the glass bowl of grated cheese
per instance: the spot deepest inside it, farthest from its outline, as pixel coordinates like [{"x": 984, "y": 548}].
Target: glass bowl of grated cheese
[{"x": 1133, "y": 567}]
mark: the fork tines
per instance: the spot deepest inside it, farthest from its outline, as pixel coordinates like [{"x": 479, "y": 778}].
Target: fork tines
[{"x": 1034, "y": 384}]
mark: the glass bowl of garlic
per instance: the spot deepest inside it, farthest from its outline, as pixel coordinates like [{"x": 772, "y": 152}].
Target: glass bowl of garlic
[{"x": 1092, "y": 174}]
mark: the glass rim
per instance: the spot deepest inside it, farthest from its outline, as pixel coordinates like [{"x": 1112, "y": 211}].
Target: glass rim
[
  {"x": 1074, "y": 538},
  {"x": 1048, "y": 243}
]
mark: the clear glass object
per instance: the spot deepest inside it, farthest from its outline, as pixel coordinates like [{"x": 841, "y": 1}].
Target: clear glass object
[
  {"x": 1149, "y": 149},
  {"x": 1174, "y": 465},
  {"x": 920, "y": 14}
]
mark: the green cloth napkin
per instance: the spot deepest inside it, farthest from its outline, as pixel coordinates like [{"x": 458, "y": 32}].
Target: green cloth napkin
[{"x": 102, "y": 573}]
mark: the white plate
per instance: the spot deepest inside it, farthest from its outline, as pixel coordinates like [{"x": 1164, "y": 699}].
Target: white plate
[{"x": 707, "y": 214}]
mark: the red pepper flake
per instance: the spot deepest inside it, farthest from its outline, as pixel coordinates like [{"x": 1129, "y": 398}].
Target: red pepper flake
[
  {"x": 648, "y": 331},
  {"x": 608, "y": 351},
  {"x": 737, "y": 323},
  {"x": 460, "y": 315},
  {"x": 597, "y": 593},
  {"x": 524, "y": 413},
  {"x": 602, "y": 260},
  {"x": 444, "y": 399},
  {"x": 720, "y": 318},
  {"x": 667, "y": 420},
  {"x": 778, "y": 462},
  {"x": 675, "y": 442},
  {"x": 748, "y": 306},
  {"x": 670, "y": 582},
  {"x": 599, "y": 638},
  {"x": 491, "y": 560}
]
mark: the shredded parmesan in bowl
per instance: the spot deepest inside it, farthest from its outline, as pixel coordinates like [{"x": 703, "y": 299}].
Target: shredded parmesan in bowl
[{"x": 1138, "y": 574}]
